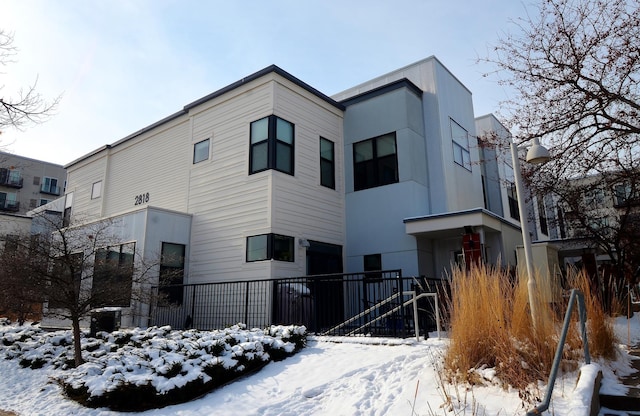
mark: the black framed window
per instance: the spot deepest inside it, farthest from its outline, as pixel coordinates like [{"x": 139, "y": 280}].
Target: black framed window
[
  {"x": 327, "y": 163},
  {"x": 201, "y": 151},
  {"x": 542, "y": 217},
  {"x": 113, "y": 275},
  {"x": 512, "y": 196},
  {"x": 375, "y": 162},
  {"x": 172, "y": 272},
  {"x": 372, "y": 265},
  {"x": 270, "y": 247},
  {"x": 271, "y": 145}
]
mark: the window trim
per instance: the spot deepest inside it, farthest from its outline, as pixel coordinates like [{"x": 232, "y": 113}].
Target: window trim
[
  {"x": 331, "y": 181},
  {"x": 273, "y": 143},
  {"x": 195, "y": 150}
]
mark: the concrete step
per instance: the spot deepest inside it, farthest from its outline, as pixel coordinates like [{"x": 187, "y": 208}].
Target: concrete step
[
  {"x": 630, "y": 402},
  {"x": 626, "y": 403}
]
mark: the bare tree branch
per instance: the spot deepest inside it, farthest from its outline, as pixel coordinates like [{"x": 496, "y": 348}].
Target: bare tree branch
[{"x": 28, "y": 106}]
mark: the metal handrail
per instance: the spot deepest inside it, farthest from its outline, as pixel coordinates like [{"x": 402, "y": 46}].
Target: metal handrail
[
  {"x": 576, "y": 296},
  {"x": 414, "y": 300}
]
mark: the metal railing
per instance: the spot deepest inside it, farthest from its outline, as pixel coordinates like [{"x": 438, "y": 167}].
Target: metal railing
[
  {"x": 391, "y": 313},
  {"x": 575, "y": 297},
  {"x": 321, "y": 303}
]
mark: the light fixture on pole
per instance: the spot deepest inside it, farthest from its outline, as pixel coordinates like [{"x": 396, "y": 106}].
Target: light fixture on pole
[{"x": 537, "y": 154}]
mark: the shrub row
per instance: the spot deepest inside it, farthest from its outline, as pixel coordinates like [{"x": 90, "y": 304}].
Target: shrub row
[{"x": 134, "y": 370}]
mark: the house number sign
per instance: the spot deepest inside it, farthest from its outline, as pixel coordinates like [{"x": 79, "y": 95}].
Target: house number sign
[{"x": 141, "y": 199}]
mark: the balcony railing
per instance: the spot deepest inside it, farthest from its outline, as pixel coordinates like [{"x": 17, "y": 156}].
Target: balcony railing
[
  {"x": 12, "y": 181},
  {"x": 50, "y": 189},
  {"x": 10, "y": 206}
]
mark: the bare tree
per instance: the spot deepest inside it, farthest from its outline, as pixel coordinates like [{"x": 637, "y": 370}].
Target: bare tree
[
  {"x": 574, "y": 67},
  {"x": 77, "y": 269},
  {"x": 19, "y": 298},
  {"x": 28, "y": 106}
]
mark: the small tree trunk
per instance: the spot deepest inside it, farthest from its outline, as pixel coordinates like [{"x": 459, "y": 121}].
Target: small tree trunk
[{"x": 77, "y": 350}]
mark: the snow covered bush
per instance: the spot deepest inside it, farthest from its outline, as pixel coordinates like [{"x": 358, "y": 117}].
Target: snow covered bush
[{"x": 137, "y": 369}]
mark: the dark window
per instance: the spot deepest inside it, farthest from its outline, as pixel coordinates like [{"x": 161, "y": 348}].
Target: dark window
[
  {"x": 373, "y": 266},
  {"x": 271, "y": 145},
  {"x": 66, "y": 217},
  {"x": 172, "y": 272},
  {"x": 327, "y": 163},
  {"x": 201, "y": 151},
  {"x": 270, "y": 247},
  {"x": 512, "y": 195},
  {"x": 375, "y": 162},
  {"x": 68, "y": 275},
  {"x": 542, "y": 217},
  {"x": 113, "y": 276},
  {"x": 36, "y": 180}
]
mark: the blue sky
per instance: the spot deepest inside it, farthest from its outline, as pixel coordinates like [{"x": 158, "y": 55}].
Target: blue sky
[{"x": 122, "y": 65}]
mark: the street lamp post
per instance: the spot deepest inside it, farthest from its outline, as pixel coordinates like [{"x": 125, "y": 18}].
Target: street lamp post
[{"x": 537, "y": 154}]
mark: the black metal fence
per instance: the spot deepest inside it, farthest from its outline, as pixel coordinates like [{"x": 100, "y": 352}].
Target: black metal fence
[{"x": 320, "y": 303}]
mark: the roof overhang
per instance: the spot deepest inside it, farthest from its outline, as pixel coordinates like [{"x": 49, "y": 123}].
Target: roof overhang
[{"x": 446, "y": 224}]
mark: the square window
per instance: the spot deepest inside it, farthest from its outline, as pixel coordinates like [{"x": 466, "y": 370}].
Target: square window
[
  {"x": 257, "y": 247},
  {"x": 201, "y": 151},
  {"x": 375, "y": 162}
]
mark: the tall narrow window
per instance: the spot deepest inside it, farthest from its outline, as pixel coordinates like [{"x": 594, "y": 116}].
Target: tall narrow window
[
  {"x": 271, "y": 145},
  {"x": 512, "y": 196},
  {"x": 172, "y": 272},
  {"x": 460, "y": 139},
  {"x": 201, "y": 151},
  {"x": 96, "y": 190},
  {"x": 542, "y": 216},
  {"x": 327, "y": 163},
  {"x": 375, "y": 162}
]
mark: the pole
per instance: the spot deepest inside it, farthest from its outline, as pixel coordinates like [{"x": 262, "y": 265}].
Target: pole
[{"x": 526, "y": 238}]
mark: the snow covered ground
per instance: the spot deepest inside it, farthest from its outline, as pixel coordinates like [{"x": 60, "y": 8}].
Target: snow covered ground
[{"x": 331, "y": 376}]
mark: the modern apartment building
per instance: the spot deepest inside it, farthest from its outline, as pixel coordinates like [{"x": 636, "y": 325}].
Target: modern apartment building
[
  {"x": 420, "y": 195},
  {"x": 24, "y": 185},
  {"x": 270, "y": 178},
  {"x": 28, "y": 183}
]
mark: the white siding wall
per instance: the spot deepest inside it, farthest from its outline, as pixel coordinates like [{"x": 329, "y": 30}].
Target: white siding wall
[
  {"x": 227, "y": 203},
  {"x": 157, "y": 163},
  {"x": 81, "y": 178},
  {"x": 302, "y": 207}
]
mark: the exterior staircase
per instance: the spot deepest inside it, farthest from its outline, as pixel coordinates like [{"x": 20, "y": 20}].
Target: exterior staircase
[{"x": 628, "y": 404}]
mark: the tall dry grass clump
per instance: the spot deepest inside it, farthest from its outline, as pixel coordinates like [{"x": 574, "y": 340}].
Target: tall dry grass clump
[
  {"x": 599, "y": 325},
  {"x": 490, "y": 325}
]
